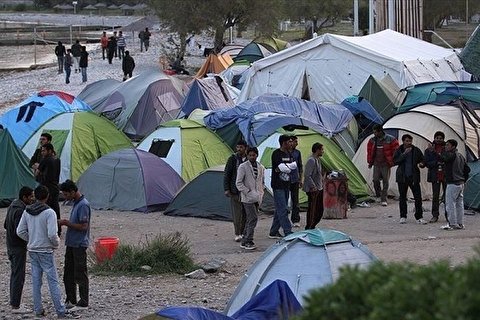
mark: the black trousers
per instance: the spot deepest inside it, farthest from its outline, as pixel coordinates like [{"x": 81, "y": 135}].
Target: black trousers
[
  {"x": 417, "y": 195},
  {"x": 18, "y": 260},
  {"x": 295, "y": 217},
  {"x": 315, "y": 209},
  {"x": 75, "y": 273}
]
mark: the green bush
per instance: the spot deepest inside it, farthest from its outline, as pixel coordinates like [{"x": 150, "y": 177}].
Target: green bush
[
  {"x": 21, "y": 7},
  {"x": 163, "y": 254},
  {"x": 399, "y": 291}
]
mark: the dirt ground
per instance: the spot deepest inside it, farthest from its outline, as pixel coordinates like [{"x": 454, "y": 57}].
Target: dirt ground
[{"x": 133, "y": 297}]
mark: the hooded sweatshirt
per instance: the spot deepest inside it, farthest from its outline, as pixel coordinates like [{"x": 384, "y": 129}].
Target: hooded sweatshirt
[
  {"x": 14, "y": 214},
  {"x": 38, "y": 226}
]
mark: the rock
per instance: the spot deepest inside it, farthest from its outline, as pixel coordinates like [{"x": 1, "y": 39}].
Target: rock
[
  {"x": 197, "y": 274},
  {"x": 214, "y": 265},
  {"x": 146, "y": 268}
]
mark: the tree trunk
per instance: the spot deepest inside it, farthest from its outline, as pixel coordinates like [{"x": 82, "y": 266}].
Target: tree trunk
[
  {"x": 183, "y": 44},
  {"x": 218, "y": 45}
]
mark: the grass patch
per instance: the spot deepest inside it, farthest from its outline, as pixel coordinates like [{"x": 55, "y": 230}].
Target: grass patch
[{"x": 163, "y": 254}]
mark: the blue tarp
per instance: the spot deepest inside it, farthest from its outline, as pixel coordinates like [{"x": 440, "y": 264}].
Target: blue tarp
[
  {"x": 357, "y": 105},
  {"x": 259, "y": 117},
  {"x": 29, "y": 115},
  {"x": 276, "y": 301}
]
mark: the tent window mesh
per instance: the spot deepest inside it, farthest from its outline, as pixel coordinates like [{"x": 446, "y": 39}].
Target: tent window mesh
[{"x": 161, "y": 148}]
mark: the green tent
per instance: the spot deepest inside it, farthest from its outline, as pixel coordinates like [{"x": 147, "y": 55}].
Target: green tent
[
  {"x": 470, "y": 54},
  {"x": 79, "y": 139},
  {"x": 471, "y": 195},
  {"x": 332, "y": 159},
  {"x": 14, "y": 170},
  {"x": 384, "y": 95}
]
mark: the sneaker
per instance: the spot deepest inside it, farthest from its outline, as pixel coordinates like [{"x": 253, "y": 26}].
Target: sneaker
[
  {"x": 433, "y": 220},
  {"x": 421, "y": 221},
  {"x": 275, "y": 235},
  {"x": 364, "y": 205},
  {"x": 238, "y": 238},
  {"x": 458, "y": 227},
  {"x": 21, "y": 310},
  {"x": 447, "y": 227},
  {"x": 40, "y": 314},
  {"x": 69, "y": 305},
  {"x": 78, "y": 307},
  {"x": 403, "y": 220},
  {"x": 296, "y": 225},
  {"x": 384, "y": 203},
  {"x": 68, "y": 315},
  {"x": 248, "y": 245}
]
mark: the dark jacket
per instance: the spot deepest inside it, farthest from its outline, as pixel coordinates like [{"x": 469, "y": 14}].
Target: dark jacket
[
  {"x": 454, "y": 165},
  {"x": 433, "y": 161},
  {"x": 83, "y": 60},
  {"x": 230, "y": 174},
  {"x": 76, "y": 49},
  {"x": 60, "y": 50},
  {"x": 49, "y": 172},
  {"x": 400, "y": 159},
  {"x": 128, "y": 64},
  {"x": 36, "y": 158},
  {"x": 14, "y": 214}
]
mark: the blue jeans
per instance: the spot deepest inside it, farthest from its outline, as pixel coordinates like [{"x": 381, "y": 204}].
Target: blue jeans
[
  {"x": 44, "y": 262},
  {"x": 60, "y": 61},
  {"x": 68, "y": 71},
  {"x": 84, "y": 74},
  {"x": 280, "y": 218}
]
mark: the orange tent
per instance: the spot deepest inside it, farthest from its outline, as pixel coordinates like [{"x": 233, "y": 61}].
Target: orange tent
[{"x": 215, "y": 63}]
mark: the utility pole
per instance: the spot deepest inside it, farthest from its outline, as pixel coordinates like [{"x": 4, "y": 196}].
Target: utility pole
[{"x": 355, "y": 18}]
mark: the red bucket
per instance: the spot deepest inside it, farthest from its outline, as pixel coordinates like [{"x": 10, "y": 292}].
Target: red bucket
[{"x": 105, "y": 248}]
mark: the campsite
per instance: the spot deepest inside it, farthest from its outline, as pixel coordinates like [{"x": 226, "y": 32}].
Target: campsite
[{"x": 149, "y": 154}]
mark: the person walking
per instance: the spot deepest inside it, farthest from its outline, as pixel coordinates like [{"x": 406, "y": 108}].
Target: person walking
[
  {"x": 60, "y": 53},
  {"x": 145, "y": 39},
  {"x": 380, "y": 150},
  {"x": 76, "y": 52},
  {"x": 68, "y": 65},
  {"x": 409, "y": 159},
  {"x": 83, "y": 64},
  {"x": 112, "y": 47},
  {"x": 295, "y": 181},
  {"x": 17, "y": 248},
  {"x": 436, "y": 172},
  {"x": 121, "y": 44},
  {"x": 456, "y": 174},
  {"x": 250, "y": 184},
  {"x": 38, "y": 226},
  {"x": 76, "y": 242},
  {"x": 115, "y": 48},
  {"x": 128, "y": 64},
  {"x": 282, "y": 165},
  {"x": 231, "y": 191},
  {"x": 313, "y": 186},
  {"x": 104, "y": 43}
]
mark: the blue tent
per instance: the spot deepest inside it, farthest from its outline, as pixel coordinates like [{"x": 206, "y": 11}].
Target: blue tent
[
  {"x": 261, "y": 116},
  {"x": 29, "y": 115},
  {"x": 471, "y": 194},
  {"x": 364, "y": 113},
  {"x": 276, "y": 301}
]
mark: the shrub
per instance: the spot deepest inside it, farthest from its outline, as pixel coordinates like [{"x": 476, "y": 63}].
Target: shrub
[
  {"x": 164, "y": 254},
  {"x": 399, "y": 291}
]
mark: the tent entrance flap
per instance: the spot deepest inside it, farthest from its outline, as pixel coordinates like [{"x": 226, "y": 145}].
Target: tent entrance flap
[
  {"x": 161, "y": 148},
  {"x": 305, "y": 88},
  {"x": 59, "y": 137}
]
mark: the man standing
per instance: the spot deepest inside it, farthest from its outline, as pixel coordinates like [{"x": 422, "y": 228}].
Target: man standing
[
  {"x": 17, "y": 248},
  {"x": 250, "y": 184},
  {"x": 121, "y": 44},
  {"x": 115, "y": 49},
  {"x": 295, "y": 180},
  {"x": 49, "y": 175},
  {"x": 112, "y": 48},
  {"x": 76, "y": 242},
  {"x": 45, "y": 137},
  {"x": 76, "y": 51},
  {"x": 282, "y": 165},
  {"x": 456, "y": 174},
  {"x": 231, "y": 191},
  {"x": 146, "y": 39},
  {"x": 409, "y": 159},
  {"x": 38, "y": 226},
  {"x": 83, "y": 64},
  {"x": 128, "y": 64},
  {"x": 313, "y": 186},
  {"x": 60, "y": 53},
  {"x": 436, "y": 173},
  {"x": 104, "y": 43},
  {"x": 380, "y": 149},
  {"x": 68, "y": 66}
]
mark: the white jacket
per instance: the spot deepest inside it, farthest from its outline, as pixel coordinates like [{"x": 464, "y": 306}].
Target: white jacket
[{"x": 251, "y": 189}]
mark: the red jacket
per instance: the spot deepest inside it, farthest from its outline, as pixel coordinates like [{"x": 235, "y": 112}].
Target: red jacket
[
  {"x": 104, "y": 41},
  {"x": 390, "y": 144}
]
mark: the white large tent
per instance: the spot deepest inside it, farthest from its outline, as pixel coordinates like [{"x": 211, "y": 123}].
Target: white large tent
[{"x": 333, "y": 67}]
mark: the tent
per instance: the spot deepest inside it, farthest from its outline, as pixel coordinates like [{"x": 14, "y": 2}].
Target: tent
[
  {"x": 79, "y": 139},
  {"x": 195, "y": 200},
  {"x": 305, "y": 260},
  {"x": 207, "y": 94},
  {"x": 187, "y": 146},
  {"x": 272, "y": 44},
  {"x": 332, "y": 67},
  {"x": 471, "y": 194},
  {"x": 96, "y": 93},
  {"x": 253, "y": 52},
  {"x": 148, "y": 180},
  {"x": 25, "y": 118},
  {"x": 14, "y": 171},
  {"x": 232, "y": 49},
  {"x": 470, "y": 54},
  {"x": 383, "y": 94},
  {"x": 276, "y": 301},
  {"x": 364, "y": 113},
  {"x": 139, "y": 105},
  {"x": 215, "y": 63},
  {"x": 332, "y": 159},
  {"x": 236, "y": 73}
]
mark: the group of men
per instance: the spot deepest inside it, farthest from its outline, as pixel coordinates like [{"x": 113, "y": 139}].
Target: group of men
[
  {"x": 33, "y": 224},
  {"x": 76, "y": 56},
  {"x": 447, "y": 173},
  {"x": 244, "y": 184},
  {"x": 114, "y": 46}
]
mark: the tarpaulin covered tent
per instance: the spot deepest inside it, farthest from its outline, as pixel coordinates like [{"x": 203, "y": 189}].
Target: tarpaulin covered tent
[
  {"x": 215, "y": 63},
  {"x": 195, "y": 199},
  {"x": 14, "y": 171},
  {"x": 187, "y": 146},
  {"x": 149, "y": 182},
  {"x": 305, "y": 260},
  {"x": 25, "y": 118},
  {"x": 138, "y": 105},
  {"x": 470, "y": 54},
  {"x": 364, "y": 113},
  {"x": 332, "y": 67},
  {"x": 79, "y": 139},
  {"x": 383, "y": 94},
  {"x": 471, "y": 194}
]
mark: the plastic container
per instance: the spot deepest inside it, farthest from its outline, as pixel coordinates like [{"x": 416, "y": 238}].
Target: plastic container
[{"x": 105, "y": 248}]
